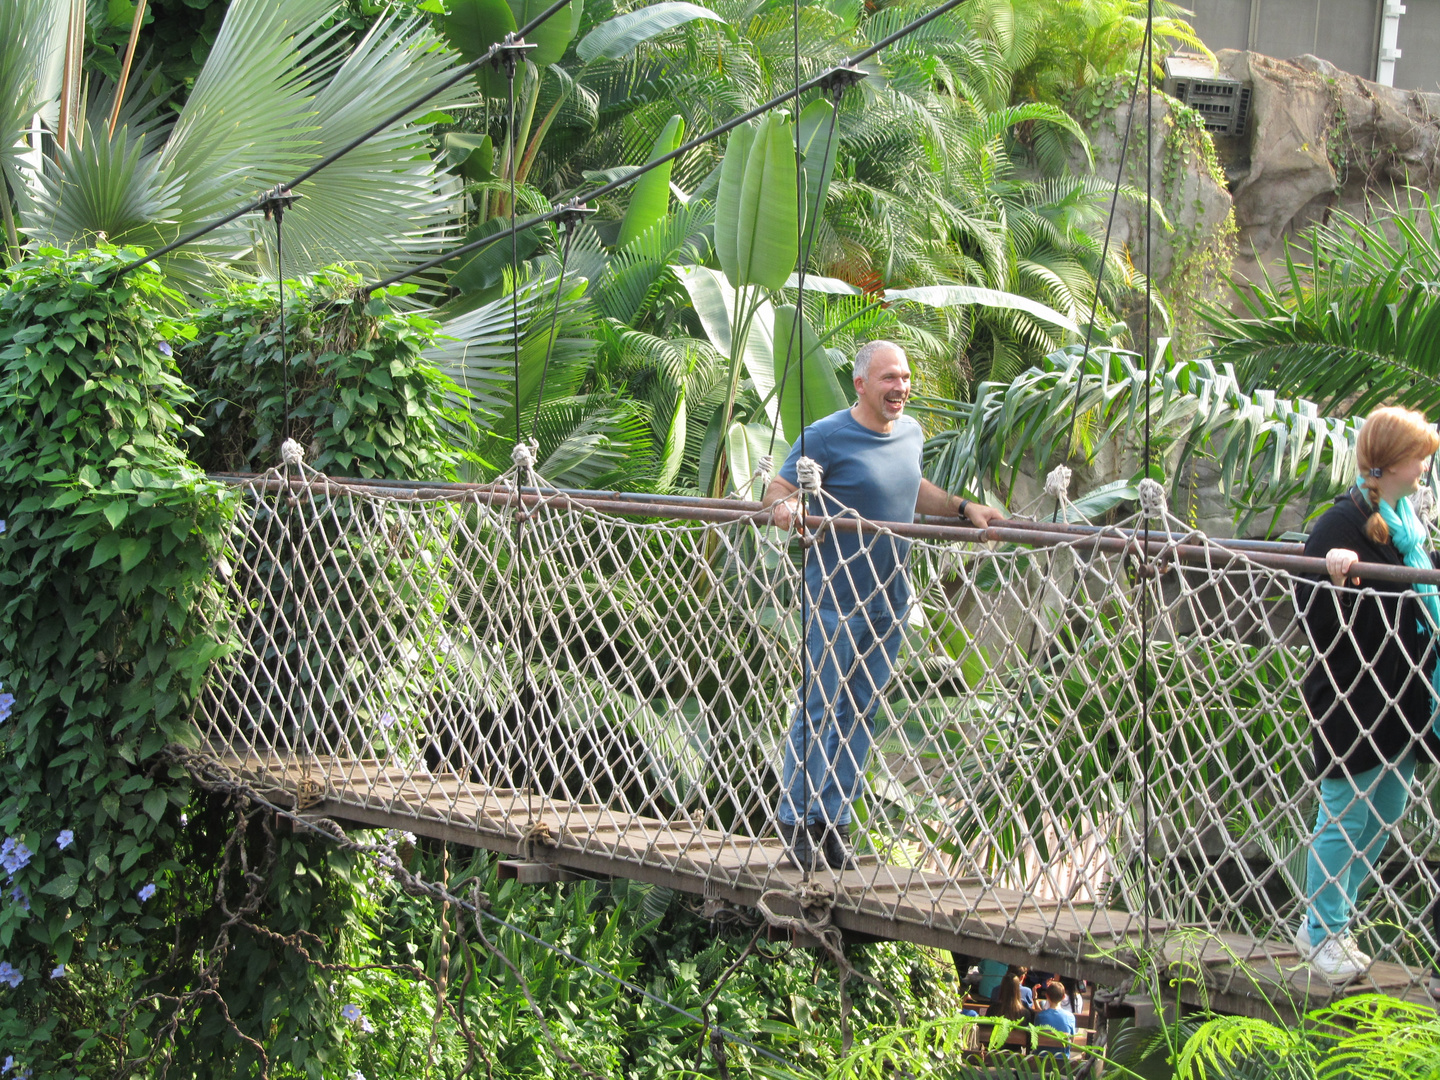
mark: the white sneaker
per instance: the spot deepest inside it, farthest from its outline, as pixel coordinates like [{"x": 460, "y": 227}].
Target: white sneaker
[
  {"x": 1337, "y": 958},
  {"x": 1347, "y": 943}
]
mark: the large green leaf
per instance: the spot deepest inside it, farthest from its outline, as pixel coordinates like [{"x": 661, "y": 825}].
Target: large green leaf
[
  {"x": 714, "y": 303},
  {"x": 617, "y": 37},
  {"x": 673, "y": 455},
  {"x": 650, "y": 196},
  {"x": 948, "y": 296},
  {"x": 485, "y": 269},
  {"x": 766, "y": 238},
  {"x": 745, "y": 444},
  {"x": 472, "y": 156},
  {"x": 819, "y": 145},
  {"x": 471, "y": 27},
  {"x": 727, "y": 199},
  {"x": 32, "y": 34},
  {"x": 802, "y": 366},
  {"x": 552, "y": 37},
  {"x": 276, "y": 93}
]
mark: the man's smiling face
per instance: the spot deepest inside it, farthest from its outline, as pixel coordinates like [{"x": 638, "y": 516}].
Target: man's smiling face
[{"x": 883, "y": 391}]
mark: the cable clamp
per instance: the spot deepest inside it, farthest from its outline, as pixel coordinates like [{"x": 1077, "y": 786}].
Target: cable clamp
[
  {"x": 276, "y": 201},
  {"x": 509, "y": 52},
  {"x": 839, "y": 79},
  {"x": 572, "y": 214}
]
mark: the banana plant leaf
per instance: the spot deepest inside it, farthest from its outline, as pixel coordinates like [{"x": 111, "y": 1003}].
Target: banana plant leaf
[
  {"x": 617, "y": 37},
  {"x": 804, "y": 373}
]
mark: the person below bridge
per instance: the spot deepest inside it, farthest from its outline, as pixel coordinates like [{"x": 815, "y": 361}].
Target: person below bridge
[{"x": 869, "y": 456}]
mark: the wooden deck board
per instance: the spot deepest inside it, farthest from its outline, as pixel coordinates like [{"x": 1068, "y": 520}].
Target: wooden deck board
[{"x": 1240, "y": 974}]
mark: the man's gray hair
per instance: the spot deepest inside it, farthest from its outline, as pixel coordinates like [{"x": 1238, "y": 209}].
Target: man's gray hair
[{"x": 867, "y": 352}]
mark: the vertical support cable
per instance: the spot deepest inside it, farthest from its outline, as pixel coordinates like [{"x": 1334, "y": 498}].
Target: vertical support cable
[
  {"x": 510, "y": 58},
  {"x": 1148, "y": 52},
  {"x": 278, "y": 200},
  {"x": 806, "y": 614}
]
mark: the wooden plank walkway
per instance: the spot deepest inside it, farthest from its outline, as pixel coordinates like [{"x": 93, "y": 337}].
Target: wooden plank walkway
[{"x": 1230, "y": 972}]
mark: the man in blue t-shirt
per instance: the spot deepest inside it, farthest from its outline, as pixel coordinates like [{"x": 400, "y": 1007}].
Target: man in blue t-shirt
[
  {"x": 869, "y": 456},
  {"x": 1054, "y": 1016}
]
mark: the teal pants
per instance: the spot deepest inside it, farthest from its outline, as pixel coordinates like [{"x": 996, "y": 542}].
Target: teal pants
[{"x": 1351, "y": 829}]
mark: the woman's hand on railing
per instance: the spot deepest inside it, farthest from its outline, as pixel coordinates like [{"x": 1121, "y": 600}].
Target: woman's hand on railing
[{"x": 1338, "y": 562}]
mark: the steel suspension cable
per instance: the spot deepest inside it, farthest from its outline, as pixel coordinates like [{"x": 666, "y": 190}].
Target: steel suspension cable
[
  {"x": 568, "y": 228},
  {"x": 1105, "y": 251},
  {"x": 686, "y": 147},
  {"x": 460, "y": 75}
]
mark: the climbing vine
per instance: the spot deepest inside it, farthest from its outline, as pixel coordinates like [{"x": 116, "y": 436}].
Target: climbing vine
[
  {"x": 1201, "y": 256},
  {"x": 110, "y": 534}
]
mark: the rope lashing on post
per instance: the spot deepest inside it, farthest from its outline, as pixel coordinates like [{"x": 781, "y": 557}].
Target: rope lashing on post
[
  {"x": 292, "y": 454},
  {"x": 815, "y": 902},
  {"x": 809, "y": 473},
  {"x": 1424, "y": 503},
  {"x": 1152, "y": 499},
  {"x": 1057, "y": 483},
  {"x": 524, "y": 455}
]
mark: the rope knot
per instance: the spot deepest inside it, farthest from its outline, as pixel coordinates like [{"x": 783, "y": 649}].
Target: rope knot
[
  {"x": 808, "y": 472},
  {"x": 1152, "y": 498},
  {"x": 1424, "y": 502},
  {"x": 765, "y": 468},
  {"x": 524, "y": 454},
  {"x": 1057, "y": 482},
  {"x": 292, "y": 453}
]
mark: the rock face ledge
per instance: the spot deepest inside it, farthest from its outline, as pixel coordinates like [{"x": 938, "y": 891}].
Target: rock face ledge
[{"x": 1321, "y": 138}]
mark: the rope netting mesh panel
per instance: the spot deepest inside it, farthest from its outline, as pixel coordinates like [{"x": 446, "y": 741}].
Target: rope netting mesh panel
[{"x": 635, "y": 706}]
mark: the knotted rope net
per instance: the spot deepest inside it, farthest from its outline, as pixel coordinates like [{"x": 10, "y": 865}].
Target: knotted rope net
[{"x": 614, "y": 682}]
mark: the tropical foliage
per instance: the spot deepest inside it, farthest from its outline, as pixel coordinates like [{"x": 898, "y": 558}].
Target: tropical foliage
[{"x": 1353, "y": 320}]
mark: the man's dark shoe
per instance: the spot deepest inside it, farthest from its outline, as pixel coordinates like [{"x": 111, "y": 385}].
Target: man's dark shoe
[
  {"x": 839, "y": 855},
  {"x": 801, "y": 845}
]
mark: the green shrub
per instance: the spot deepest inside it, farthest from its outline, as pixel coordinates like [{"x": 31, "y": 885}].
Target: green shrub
[
  {"x": 361, "y": 397},
  {"x": 104, "y": 569}
]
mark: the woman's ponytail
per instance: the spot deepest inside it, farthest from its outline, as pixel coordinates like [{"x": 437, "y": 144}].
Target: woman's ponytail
[
  {"x": 1375, "y": 527},
  {"x": 1390, "y": 435}
]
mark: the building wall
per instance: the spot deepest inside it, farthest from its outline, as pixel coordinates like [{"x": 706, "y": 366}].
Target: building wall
[{"x": 1345, "y": 32}]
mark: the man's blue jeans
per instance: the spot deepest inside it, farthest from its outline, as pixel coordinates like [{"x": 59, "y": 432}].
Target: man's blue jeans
[
  {"x": 1351, "y": 830},
  {"x": 851, "y": 658}
]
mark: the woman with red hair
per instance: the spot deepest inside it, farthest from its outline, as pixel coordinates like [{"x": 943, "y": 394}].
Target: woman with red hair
[{"x": 1369, "y": 688}]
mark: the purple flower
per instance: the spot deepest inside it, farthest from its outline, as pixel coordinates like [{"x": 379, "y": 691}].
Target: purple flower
[
  {"x": 65, "y": 839},
  {"x": 351, "y": 1013},
  {"x": 2, "y": 526},
  {"x": 9, "y": 1064},
  {"x": 58, "y": 971},
  {"x": 17, "y": 895},
  {"x": 165, "y": 349},
  {"x": 146, "y": 892},
  {"x": 10, "y": 974},
  {"x": 7, "y": 701},
  {"x": 14, "y": 855},
  {"x": 387, "y": 721},
  {"x": 367, "y": 1027}
]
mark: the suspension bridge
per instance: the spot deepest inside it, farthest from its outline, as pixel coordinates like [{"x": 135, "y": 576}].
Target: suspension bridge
[
  {"x": 1091, "y": 757},
  {"x": 595, "y": 683}
]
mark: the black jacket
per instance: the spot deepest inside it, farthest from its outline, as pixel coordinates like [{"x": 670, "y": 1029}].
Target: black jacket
[{"x": 1356, "y": 728}]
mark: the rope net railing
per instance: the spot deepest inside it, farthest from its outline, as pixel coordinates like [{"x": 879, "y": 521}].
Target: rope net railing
[{"x": 582, "y": 674}]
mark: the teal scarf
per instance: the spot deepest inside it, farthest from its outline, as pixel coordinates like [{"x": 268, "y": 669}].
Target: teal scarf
[{"x": 1408, "y": 535}]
